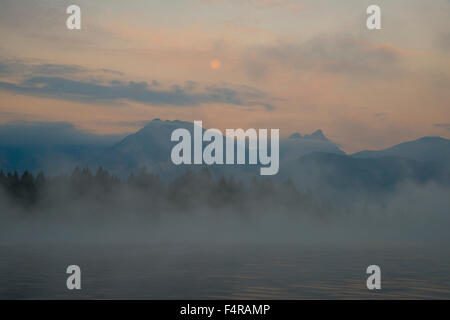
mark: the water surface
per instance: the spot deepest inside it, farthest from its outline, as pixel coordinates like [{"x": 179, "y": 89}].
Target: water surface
[{"x": 222, "y": 272}]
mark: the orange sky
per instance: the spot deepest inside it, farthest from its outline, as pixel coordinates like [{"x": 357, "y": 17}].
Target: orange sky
[{"x": 293, "y": 65}]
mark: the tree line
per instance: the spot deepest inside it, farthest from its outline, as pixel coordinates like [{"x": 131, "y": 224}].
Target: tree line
[{"x": 145, "y": 191}]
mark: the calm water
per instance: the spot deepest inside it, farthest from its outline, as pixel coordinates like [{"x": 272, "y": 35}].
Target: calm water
[{"x": 222, "y": 272}]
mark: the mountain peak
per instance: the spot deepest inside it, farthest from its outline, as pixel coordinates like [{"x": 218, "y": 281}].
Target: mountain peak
[
  {"x": 295, "y": 135},
  {"x": 318, "y": 135}
]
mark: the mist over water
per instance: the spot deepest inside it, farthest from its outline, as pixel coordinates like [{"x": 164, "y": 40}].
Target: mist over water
[
  {"x": 201, "y": 236},
  {"x": 198, "y": 207}
]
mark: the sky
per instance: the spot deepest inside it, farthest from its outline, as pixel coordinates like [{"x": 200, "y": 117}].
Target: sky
[{"x": 294, "y": 65}]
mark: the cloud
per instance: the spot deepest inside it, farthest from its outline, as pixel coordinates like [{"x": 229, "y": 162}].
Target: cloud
[
  {"x": 3, "y": 68},
  {"x": 442, "y": 125},
  {"x": 118, "y": 73},
  {"x": 338, "y": 54},
  {"x": 52, "y": 80},
  {"x": 27, "y": 68},
  {"x": 50, "y": 134},
  {"x": 117, "y": 91},
  {"x": 52, "y": 69}
]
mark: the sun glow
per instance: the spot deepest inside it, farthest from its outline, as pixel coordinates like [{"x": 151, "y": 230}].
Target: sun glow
[{"x": 215, "y": 64}]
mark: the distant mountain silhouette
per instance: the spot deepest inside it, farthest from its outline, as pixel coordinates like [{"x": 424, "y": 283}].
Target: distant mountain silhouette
[
  {"x": 310, "y": 160},
  {"x": 340, "y": 178},
  {"x": 149, "y": 147},
  {"x": 316, "y": 135},
  {"x": 297, "y": 145},
  {"x": 49, "y": 146},
  {"x": 434, "y": 149},
  {"x": 344, "y": 171}
]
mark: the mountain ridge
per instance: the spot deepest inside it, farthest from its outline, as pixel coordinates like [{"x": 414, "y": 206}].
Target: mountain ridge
[
  {"x": 434, "y": 149},
  {"x": 150, "y": 146}
]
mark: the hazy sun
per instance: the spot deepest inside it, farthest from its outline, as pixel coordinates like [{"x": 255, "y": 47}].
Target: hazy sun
[{"x": 215, "y": 64}]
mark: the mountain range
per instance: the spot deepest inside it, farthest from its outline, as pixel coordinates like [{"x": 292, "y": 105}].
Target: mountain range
[
  {"x": 312, "y": 160},
  {"x": 434, "y": 149}
]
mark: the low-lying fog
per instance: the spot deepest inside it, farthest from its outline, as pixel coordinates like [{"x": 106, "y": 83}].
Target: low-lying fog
[{"x": 198, "y": 209}]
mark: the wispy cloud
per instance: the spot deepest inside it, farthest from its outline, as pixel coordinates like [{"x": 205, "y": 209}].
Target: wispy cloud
[
  {"x": 71, "y": 82},
  {"x": 442, "y": 125},
  {"x": 339, "y": 54},
  {"x": 117, "y": 91},
  {"x": 28, "y": 68}
]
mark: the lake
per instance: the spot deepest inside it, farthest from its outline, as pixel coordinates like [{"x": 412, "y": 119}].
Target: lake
[{"x": 227, "y": 271}]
